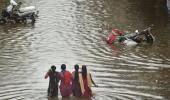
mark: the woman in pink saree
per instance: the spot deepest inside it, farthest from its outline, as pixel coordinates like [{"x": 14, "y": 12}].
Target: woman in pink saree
[{"x": 66, "y": 82}]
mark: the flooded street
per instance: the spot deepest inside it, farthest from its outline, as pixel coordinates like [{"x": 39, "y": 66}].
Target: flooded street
[{"x": 74, "y": 32}]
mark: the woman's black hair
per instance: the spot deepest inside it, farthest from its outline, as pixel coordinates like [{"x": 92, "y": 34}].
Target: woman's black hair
[
  {"x": 84, "y": 71},
  {"x": 53, "y": 68},
  {"x": 76, "y": 74},
  {"x": 63, "y": 67}
]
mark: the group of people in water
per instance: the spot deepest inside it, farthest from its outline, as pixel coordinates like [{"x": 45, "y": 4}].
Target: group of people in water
[{"x": 78, "y": 83}]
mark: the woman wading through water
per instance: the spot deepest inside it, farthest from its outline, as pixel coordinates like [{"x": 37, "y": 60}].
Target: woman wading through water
[
  {"x": 76, "y": 82},
  {"x": 87, "y": 82},
  {"x": 53, "y": 81}
]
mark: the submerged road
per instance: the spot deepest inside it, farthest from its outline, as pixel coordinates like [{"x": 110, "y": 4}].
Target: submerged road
[{"x": 73, "y": 32}]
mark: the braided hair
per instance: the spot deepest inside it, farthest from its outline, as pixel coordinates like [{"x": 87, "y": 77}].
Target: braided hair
[{"x": 76, "y": 74}]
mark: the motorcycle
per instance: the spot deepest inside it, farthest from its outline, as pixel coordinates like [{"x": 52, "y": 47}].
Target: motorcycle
[
  {"x": 20, "y": 16},
  {"x": 145, "y": 36}
]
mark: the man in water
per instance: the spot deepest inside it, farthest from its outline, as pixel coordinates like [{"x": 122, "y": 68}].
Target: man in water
[
  {"x": 112, "y": 37},
  {"x": 16, "y": 9}
]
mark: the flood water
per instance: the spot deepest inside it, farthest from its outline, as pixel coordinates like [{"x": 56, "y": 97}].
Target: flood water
[{"x": 74, "y": 32}]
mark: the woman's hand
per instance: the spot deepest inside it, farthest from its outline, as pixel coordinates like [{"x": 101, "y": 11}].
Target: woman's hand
[{"x": 96, "y": 85}]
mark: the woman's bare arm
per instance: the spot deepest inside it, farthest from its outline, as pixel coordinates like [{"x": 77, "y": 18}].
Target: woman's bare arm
[
  {"x": 47, "y": 74},
  {"x": 93, "y": 81}
]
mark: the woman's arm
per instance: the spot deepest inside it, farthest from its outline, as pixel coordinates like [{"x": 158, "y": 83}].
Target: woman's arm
[
  {"x": 47, "y": 74},
  {"x": 93, "y": 81}
]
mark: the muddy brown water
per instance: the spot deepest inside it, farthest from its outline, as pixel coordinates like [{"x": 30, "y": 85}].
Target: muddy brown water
[{"x": 73, "y": 32}]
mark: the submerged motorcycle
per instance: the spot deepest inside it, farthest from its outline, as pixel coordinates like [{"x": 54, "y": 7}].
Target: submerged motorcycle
[
  {"x": 145, "y": 36},
  {"x": 21, "y": 15}
]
